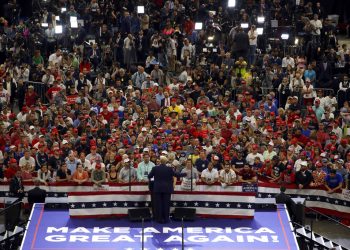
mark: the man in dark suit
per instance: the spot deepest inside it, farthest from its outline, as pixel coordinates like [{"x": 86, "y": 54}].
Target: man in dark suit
[
  {"x": 36, "y": 195},
  {"x": 324, "y": 74},
  {"x": 16, "y": 186},
  {"x": 162, "y": 188},
  {"x": 241, "y": 44},
  {"x": 282, "y": 198}
]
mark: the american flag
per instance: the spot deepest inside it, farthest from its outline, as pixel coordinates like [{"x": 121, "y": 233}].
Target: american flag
[{"x": 207, "y": 204}]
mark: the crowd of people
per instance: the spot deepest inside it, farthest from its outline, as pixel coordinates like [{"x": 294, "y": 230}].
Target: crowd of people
[{"x": 221, "y": 103}]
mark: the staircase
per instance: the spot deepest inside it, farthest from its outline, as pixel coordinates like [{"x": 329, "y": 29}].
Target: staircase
[
  {"x": 313, "y": 241},
  {"x": 11, "y": 240}
]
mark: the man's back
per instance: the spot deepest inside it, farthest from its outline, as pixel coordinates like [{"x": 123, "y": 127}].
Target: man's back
[
  {"x": 163, "y": 179},
  {"x": 36, "y": 195}
]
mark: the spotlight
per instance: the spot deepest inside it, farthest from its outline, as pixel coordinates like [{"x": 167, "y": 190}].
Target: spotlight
[
  {"x": 58, "y": 29},
  {"x": 260, "y": 31},
  {"x": 57, "y": 18},
  {"x": 210, "y": 38},
  {"x": 231, "y": 3},
  {"x": 261, "y": 19},
  {"x": 285, "y": 36},
  {"x": 64, "y": 9},
  {"x": 296, "y": 41},
  {"x": 198, "y": 26},
  {"x": 44, "y": 25},
  {"x": 244, "y": 25},
  {"x": 140, "y": 9}
]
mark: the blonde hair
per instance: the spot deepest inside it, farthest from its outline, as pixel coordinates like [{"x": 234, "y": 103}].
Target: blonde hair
[{"x": 163, "y": 159}]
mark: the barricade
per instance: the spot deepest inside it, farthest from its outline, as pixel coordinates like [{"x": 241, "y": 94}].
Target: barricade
[{"x": 39, "y": 88}]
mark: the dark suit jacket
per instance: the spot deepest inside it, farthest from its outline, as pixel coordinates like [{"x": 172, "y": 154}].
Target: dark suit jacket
[
  {"x": 36, "y": 195},
  {"x": 15, "y": 185},
  {"x": 163, "y": 178},
  {"x": 324, "y": 74},
  {"x": 241, "y": 41},
  {"x": 305, "y": 180}
]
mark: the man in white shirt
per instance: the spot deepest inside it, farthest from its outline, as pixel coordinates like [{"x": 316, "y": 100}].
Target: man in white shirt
[
  {"x": 308, "y": 92},
  {"x": 317, "y": 26},
  {"x": 227, "y": 176},
  {"x": 298, "y": 163},
  {"x": 330, "y": 101},
  {"x": 287, "y": 60},
  {"x": 253, "y": 41},
  {"x": 170, "y": 53},
  {"x": 210, "y": 175},
  {"x": 27, "y": 160},
  {"x": 22, "y": 116},
  {"x": 187, "y": 52},
  {"x": 85, "y": 162},
  {"x": 270, "y": 152},
  {"x": 251, "y": 156},
  {"x": 55, "y": 58},
  {"x": 4, "y": 96},
  {"x": 48, "y": 78}
]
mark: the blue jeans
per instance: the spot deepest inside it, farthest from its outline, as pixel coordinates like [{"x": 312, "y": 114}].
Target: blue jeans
[{"x": 251, "y": 56}]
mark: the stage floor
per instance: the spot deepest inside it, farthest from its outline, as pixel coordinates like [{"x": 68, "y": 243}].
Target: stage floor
[{"x": 55, "y": 230}]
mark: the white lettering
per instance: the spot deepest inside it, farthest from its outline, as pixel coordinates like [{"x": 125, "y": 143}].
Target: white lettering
[
  {"x": 100, "y": 238},
  {"x": 262, "y": 238},
  {"x": 80, "y": 238},
  {"x": 243, "y": 230},
  {"x": 194, "y": 230},
  {"x": 151, "y": 230},
  {"x": 222, "y": 238},
  {"x": 55, "y": 238},
  {"x": 80, "y": 230},
  {"x": 214, "y": 230},
  {"x": 168, "y": 230},
  {"x": 102, "y": 230},
  {"x": 123, "y": 238},
  {"x": 228, "y": 230},
  {"x": 121, "y": 230},
  {"x": 198, "y": 238},
  {"x": 64, "y": 230},
  {"x": 145, "y": 237},
  {"x": 264, "y": 230},
  {"x": 174, "y": 238}
]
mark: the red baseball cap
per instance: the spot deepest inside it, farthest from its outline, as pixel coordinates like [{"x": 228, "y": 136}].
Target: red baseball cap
[{"x": 13, "y": 160}]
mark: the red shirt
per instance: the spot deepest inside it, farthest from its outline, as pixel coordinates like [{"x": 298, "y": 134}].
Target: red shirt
[
  {"x": 53, "y": 91},
  {"x": 87, "y": 66},
  {"x": 107, "y": 116},
  {"x": 247, "y": 174},
  {"x": 266, "y": 170},
  {"x": 288, "y": 178},
  {"x": 10, "y": 172},
  {"x": 30, "y": 99}
]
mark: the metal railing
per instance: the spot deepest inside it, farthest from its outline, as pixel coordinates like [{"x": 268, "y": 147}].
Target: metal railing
[
  {"x": 39, "y": 88},
  {"x": 279, "y": 95}
]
